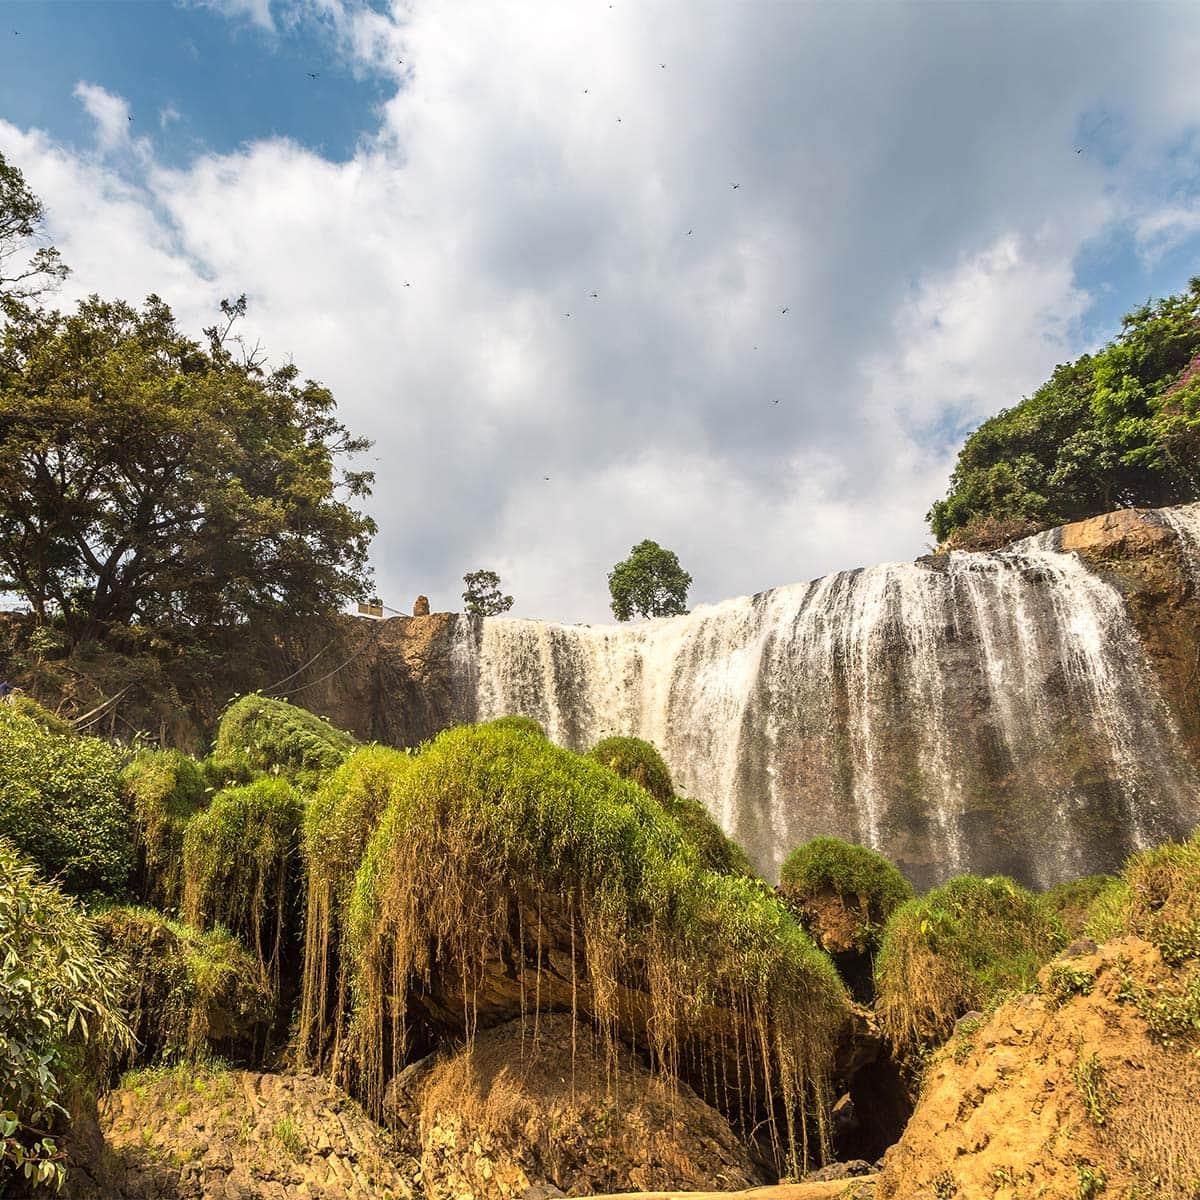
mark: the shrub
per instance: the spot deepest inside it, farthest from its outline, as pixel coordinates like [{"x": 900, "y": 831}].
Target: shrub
[
  {"x": 338, "y": 823},
  {"x": 165, "y": 789},
  {"x": 493, "y": 838},
  {"x": 60, "y": 803},
  {"x": 517, "y": 722},
  {"x": 962, "y": 946},
  {"x": 272, "y": 734},
  {"x": 829, "y": 868},
  {"x": 59, "y": 1016},
  {"x": 1072, "y": 900},
  {"x": 27, "y": 706},
  {"x": 238, "y": 857},
  {"x": 639, "y": 761},
  {"x": 187, "y": 993}
]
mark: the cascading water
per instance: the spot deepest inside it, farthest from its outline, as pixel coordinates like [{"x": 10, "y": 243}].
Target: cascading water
[{"x": 967, "y": 712}]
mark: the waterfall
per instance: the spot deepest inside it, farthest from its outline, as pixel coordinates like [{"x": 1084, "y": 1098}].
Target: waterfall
[{"x": 965, "y": 712}]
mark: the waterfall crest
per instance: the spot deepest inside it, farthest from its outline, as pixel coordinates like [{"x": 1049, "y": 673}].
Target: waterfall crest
[{"x": 965, "y": 712}]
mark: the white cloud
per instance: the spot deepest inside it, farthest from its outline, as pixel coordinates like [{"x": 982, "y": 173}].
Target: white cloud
[
  {"x": 257, "y": 12},
  {"x": 110, "y": 113}
]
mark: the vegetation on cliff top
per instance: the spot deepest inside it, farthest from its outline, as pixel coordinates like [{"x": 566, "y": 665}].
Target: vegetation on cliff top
[{"x": 1117, "y": 428}]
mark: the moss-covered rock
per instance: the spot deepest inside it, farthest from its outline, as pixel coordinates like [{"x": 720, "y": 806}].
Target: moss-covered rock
[
  {"x": 165, "y": 789},
  {"x": 962, "y": 946},
  {"x": 60, "y": 802},
  {"x": 187, "y": 992},
  {"x": 273, "y": 735},
  {"x": 240, "y": 866},
  {"x": 509, "y": 876}
]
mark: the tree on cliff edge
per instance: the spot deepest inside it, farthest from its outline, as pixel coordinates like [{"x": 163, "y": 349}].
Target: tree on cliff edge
[
  {"x": 147, "y": 479},
  {"x": 482, "y": 597},
  {"x": 649, "y": 583}
]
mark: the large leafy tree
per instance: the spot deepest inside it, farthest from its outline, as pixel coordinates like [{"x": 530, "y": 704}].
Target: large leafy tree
[
  {"x": 483, "y": 597},
  {"x": 1113, "y": 429},
  {"x": 25, "y": 272},
  {"x": 147, "y": 478},
  {"x": 650, "y": 582}
]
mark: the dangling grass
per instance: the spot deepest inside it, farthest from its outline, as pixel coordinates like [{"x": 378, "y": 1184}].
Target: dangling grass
[
  {"x": 273, "y": 735},
  {"x": 165, "y": 789},
  {"x": 238, "y": 860},
  {"x": 337, "y": 825},
  {"x": 493, "y": 838},
  {"x": 962, "y": 946}
]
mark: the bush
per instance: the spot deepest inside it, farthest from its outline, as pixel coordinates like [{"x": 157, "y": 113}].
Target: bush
[
  {"x": 962, "y": 946},
  {"x": 827, "y": 868},
  {"x": 165, "y": 789},
  {"x": 59, "y": 1016},
  {"x": 338, "y": 823},
  {"x": 516, "y": 722},
  {"x": 1072, "y": 900},
  {"x": 639, "y": 761},
  {"x": 238, "y": 866},
  {"x": 60, "y": 803},
  {"x": 187, "y": 993},
  {"x": 272, "y": 735},
  {"x": 492, "y": 839},
  {"x": 27, "y": 706}
]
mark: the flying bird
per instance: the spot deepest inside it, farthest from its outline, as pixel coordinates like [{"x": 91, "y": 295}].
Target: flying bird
[
  {"x": 314, "y": 74},
  {"x": 407, "y": 284},
  {"x": 735, "y": 186},
  {"x": 663, "y": 65},
  {"x": 585, "y": 91},
  {"x": 1080, "y": 150},
  {"x": 595, "y": 295},
  {"x": 689, "y": 233},
  {"x": 784, "y": 309},
  {"x": 774, "y": 401},
  {"x": 128, "y": 117},
  {"x": 546, "y": 477}
]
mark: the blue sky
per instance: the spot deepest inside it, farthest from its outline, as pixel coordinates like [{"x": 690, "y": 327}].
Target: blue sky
[{"x": 415, "y": 233}]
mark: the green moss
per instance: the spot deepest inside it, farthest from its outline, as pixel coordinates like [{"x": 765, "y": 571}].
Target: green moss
[
  {"x": 273, "y": 735},
  {"x": 165, "y": 789},
  {"x": 239, "y": 856},
  {"x": 60, "y": 803},
  {"x": 188, "y": 993},
  {"x": 516, "y": 722},
  {"x": 829, "y": 865},
  {"x": 962, "y": 946},
  {"x": 639, "y": 761},
  {"x": 1072, "y": 900},
  {"x": 491, "y": 836}
]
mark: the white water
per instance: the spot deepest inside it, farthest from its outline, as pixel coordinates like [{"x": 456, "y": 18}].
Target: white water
[{"x": 977, "y": 712}]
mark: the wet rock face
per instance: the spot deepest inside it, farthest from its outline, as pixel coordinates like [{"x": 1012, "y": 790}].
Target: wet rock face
[{"x": 1033, "y": 711}]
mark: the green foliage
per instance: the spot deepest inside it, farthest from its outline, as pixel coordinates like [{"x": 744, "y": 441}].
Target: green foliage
[
  {"x": 22, "y": 217},
  {"x": 187, "y": 993},
  {"x": 1065, "y": 980},
  {"x": 165, "y": 789},
  {"x": 650, "y": 583},
  {"x": 638, "y": 761},
  {"x": 1110, "y": 430},
  {"x": 239, "y": 856},
  {"x": 492, "y": 836},
  {"x": 1072, "y": 901},
  {"x": 482, "y": 597},
  {"x": 829, "y": 865},
  {"x": 273, "y": 735},
  {"x": 516, "y": 722},
  {"x": 60, "y": 803},
  {"x": 1108, "y": 913},
  {"x": 1164, "y": 900},
  {"x": 148, "y": 479},
  {"x": 27, "y": 706},
  {"x": 962, "y": 946},
  {"x": 59, "y": 1016}
]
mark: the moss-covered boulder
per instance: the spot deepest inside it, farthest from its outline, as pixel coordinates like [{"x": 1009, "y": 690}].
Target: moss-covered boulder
[
  {"x": 187, "y": 992},
  {"x": 165, "y": 789},
  {"x": 509, "y": 876},
  {"x": 241, "y": 867},
  {"x": 273, "y": 735},
  {"x": 61, "y": 803},
  {"x": 960, "y": 947}
]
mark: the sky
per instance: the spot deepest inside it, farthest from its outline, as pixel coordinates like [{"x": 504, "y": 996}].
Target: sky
[{"x": 737, "y": 277}]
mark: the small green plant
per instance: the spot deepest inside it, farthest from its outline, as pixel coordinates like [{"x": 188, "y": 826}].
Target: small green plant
[
  {"x": 289, "y": 1137},
  {"x": 1092, "y": 1180},
  {"x": 1063, "y": 981},
  {"x": 945, "y": 1186},
  {"x": 1089, "y": 1079},
  {"x": 964, "y": 1044}
]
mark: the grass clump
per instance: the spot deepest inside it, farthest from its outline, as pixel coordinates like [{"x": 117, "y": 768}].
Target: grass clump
[
  {"x": 962, "y": 946},
  {"x": 1108, "y": 914},
  {"x": 165, "y": 789},
  {"x": 1164, "y": 899},
  {"x": 338, "y": 822},
  {"x": 864, "y": 883},
  {"x": 238, "y": 859},
  {"x": 60, "y": 1019},
  {"x": 273, "y": 735},
  {"x": 60, "y": 803},
  {"x": 1072, "y": 901},
  {"x": 496, "y": 847},
  {"x": 189, "y": 994}
]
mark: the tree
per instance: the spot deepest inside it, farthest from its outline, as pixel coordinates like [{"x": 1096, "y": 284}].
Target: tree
[
  {"x": 22, "y": 216},
  {"x": 146, "y": 479},
  {"x": 1113, "y": 429},
  {"x": 649, "y": 582},
  {"x": 482, "y": 597}
]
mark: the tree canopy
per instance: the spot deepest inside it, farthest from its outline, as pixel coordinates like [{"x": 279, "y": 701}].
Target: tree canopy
[
  {"x": 144, "y": 477},
  {"x": 650, "y": 582},
  {"x": 1117, "y": 428},
  {"x": 22, "y": 216},
  {"x": 482, "y": 597}
]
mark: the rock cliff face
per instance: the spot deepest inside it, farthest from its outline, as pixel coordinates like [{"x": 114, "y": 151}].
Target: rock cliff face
[{"x": 1033, "y": 711}]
